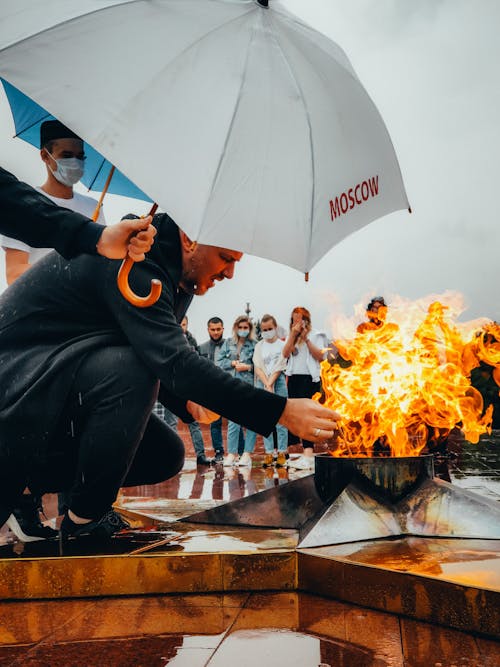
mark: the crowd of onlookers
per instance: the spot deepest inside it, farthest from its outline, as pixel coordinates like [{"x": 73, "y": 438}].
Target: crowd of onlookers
[{"x": 265, "y": 355}]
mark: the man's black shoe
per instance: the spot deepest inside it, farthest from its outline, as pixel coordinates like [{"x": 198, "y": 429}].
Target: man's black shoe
[
  {"x": 101, "y": 529},
  {"x": 25, "y": 522},
  {"x": 219, "y": 457},
  {"x": 204, "y": 461}
]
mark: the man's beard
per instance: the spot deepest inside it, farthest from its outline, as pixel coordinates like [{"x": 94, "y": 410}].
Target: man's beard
[
  {"x": 189, "y": 281},
  {"x": 191, "y": 286},
  {"x": 188, "y": 286}
]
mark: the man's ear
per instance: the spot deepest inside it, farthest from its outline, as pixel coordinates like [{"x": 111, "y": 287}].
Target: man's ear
[
  {"x": 186, "y": 243},
  {"x": 44, "y": 156}
]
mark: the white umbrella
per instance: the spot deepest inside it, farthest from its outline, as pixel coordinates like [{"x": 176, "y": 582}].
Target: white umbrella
[{"x": 249, "y": 127}]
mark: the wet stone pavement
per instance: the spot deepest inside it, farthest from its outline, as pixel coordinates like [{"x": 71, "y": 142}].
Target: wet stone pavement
[
  {"x": 244, "y": 628},
  {"x": 222, "y": 630}
]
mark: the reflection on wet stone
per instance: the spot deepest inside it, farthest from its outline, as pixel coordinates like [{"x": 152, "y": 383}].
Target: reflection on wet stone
[{"x": 266, "y": 628}]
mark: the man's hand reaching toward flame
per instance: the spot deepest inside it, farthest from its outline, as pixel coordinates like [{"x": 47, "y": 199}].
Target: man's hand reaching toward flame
[{"x": 309, "y": 420}]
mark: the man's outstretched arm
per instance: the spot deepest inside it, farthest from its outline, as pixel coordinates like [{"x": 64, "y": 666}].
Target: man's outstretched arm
[{"x": 30, "y": 217}]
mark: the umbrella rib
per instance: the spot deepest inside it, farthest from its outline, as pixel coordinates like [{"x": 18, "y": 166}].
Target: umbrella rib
[
  {"x": 101, "y": 167},
  {"x": 203, "y": 37},
  {"x": 28, "y": 127},
  {"x": 291, "y": 18},
  {"x": 233, "y": 116},
  {"x": 129, "y": 101},
  {"x": 311, "y": 145}
]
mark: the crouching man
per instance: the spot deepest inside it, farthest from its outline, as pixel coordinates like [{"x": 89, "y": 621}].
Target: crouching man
[{"x": 80, "y": 370}]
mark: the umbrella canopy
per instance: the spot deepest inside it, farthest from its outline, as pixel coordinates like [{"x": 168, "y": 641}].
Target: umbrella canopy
[
  {"x": 28, "y": 116},
  {"x": 249, "y": 127}
]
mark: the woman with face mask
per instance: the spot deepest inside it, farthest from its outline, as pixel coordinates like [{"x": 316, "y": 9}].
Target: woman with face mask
[
  {"x": 304, "y": 349},
  {"x": 270, "y": 365},
  {"x": 235, "y": 356},
  {"x": 61, "y": 150}
]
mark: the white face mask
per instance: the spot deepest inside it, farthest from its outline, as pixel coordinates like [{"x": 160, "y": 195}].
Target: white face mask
[
  {"x": 243, "y": 333},
  {"x": 69, "y": 170},
  {"x": 268, "y": 335}
]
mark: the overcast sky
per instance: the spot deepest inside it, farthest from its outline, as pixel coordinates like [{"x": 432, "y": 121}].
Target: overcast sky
[{"x": 432, "y": 69}]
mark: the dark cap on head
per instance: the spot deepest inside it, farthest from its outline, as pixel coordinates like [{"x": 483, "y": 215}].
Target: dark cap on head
[
  {"x": 50, "y": 130},
  {"x": 376, "y": 299}
]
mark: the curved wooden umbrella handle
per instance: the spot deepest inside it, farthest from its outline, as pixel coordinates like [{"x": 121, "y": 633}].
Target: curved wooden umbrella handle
[
  {"x": 124, "y": 287},
  {"x": 127, "y": 293}
]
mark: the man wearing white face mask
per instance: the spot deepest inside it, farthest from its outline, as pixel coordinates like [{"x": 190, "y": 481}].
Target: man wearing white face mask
[{"x": 62, "y": 152}]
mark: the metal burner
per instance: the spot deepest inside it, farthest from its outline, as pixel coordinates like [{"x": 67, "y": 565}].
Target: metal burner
[
  {"x": 390, "y": 478},
  {"x": 353, "y": 499}
]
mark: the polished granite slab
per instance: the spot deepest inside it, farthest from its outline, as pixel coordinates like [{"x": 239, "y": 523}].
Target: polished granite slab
[
  {"x": 448, "y": 582},
  {"x": 469, "y": 562},
  {"x": 220, "y": 630}
]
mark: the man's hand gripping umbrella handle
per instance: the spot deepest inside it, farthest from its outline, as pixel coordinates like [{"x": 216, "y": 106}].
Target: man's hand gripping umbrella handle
[
  {"x": 124, "y": 287},
  {"x": 122, "y": 280}
]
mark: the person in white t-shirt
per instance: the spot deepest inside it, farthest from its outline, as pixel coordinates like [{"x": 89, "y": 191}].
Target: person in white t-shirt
[
  {"x": 62, "y": 152},
  {"x": 269, "y": 368}
]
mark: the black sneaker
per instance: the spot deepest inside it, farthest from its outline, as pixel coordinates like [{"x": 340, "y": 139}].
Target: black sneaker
[
  {"x": 25, "y": 522},
  {"x": 203, "y": 461},
  {"x": 102, "y": 529},
  {"x": 219, "y": 457}
]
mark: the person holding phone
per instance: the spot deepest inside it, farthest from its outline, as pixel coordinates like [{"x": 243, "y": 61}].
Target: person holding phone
[{"x": 304, "y": 349}]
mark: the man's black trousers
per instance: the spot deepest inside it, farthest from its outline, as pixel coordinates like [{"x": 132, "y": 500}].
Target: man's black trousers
[{"x": 106, "y": 438}]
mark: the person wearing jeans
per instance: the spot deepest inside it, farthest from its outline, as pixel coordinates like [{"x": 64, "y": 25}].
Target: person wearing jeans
[
  {"x": 208, "y": 349},
  {"x": 269, "y": 367},
  {"x": 172, "y": 420},
  {"x": 235, "y": 356},
  {"x": 194, "y": 429}
]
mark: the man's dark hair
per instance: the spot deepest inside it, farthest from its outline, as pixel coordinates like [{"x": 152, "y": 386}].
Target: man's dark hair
[
  {"x": 215, "y": 320},
  {"x": 268, "y": 318},
  {"x": 376, "y": 299},
  {"x": 49, "y": 145},
  {"x": 52, "y": 130}
]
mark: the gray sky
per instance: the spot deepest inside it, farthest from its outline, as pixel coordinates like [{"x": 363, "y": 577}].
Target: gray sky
[{"x": 431, "y": 68}]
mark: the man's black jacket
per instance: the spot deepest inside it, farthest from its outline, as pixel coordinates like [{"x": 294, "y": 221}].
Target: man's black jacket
[
  {"x": 60, "y": 310},
  {"x": 27, "y": 215}
]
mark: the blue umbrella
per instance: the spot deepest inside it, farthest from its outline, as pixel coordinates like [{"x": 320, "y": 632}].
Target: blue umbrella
[
  {"x": 99, "y": 175},
  {"x": 28, "y": 116}
]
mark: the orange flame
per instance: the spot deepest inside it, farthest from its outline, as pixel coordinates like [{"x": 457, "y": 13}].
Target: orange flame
[{"x": 405, "y": 383}]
